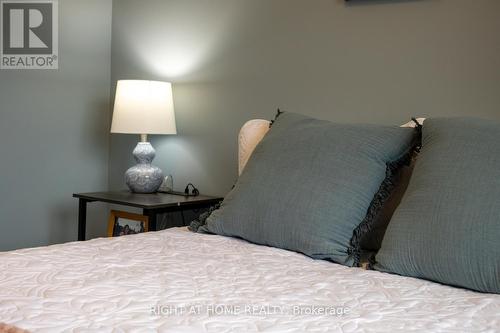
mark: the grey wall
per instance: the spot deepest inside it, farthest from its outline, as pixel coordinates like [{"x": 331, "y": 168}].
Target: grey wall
[
  {"x": 54, "y": 127},
  {"x": 233, "y": 60}
]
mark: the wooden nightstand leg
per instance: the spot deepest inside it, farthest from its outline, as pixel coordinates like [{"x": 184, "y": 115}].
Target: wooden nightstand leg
[
  {"x": 82, "y": 219},
  {"x": 151, "y": 214}
]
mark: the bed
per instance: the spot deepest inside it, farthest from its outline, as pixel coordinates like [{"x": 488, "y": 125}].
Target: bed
[{"x": 179, "y": 281}]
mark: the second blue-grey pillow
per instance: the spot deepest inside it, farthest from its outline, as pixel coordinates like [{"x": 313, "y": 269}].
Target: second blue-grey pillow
[
  {"x": 447, "y": 227},
  {"x": 313, "y": 186}
]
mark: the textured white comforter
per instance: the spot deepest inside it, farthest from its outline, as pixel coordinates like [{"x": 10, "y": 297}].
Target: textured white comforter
[{"x": 177, "y": 281}]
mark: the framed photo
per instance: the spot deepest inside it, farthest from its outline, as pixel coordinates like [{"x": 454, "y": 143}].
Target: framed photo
[{"x": 124, "y": 223}]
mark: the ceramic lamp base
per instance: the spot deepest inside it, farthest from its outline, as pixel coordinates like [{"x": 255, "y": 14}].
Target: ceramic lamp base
[{"x": 144, "y": 177}]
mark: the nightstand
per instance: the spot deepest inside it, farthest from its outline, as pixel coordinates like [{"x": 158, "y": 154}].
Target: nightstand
[{"x": 151, "y": 204}]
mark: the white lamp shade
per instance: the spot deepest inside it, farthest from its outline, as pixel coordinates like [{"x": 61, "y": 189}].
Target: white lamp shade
[{"x": 143, "y": 107}]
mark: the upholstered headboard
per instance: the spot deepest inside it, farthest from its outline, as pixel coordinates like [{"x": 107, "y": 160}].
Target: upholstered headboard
[
  {"x": 250, "y": 135},
  {"x": 254, "y": 130}
]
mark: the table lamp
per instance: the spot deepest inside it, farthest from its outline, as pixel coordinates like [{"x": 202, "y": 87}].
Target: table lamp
[{"x": 143, "y": 107}]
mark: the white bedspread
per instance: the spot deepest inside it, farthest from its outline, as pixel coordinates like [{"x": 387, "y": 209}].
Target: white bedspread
[{"x": 177, "y": 281}]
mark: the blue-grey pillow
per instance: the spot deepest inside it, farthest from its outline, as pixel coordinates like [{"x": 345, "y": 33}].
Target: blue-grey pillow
[
  {"x": 312, "y": 186},
  {"x": 447, "y": 227}
]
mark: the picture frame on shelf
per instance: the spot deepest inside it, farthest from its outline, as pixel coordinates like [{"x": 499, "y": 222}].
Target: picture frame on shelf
[{"x": 122, "y": 223}]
